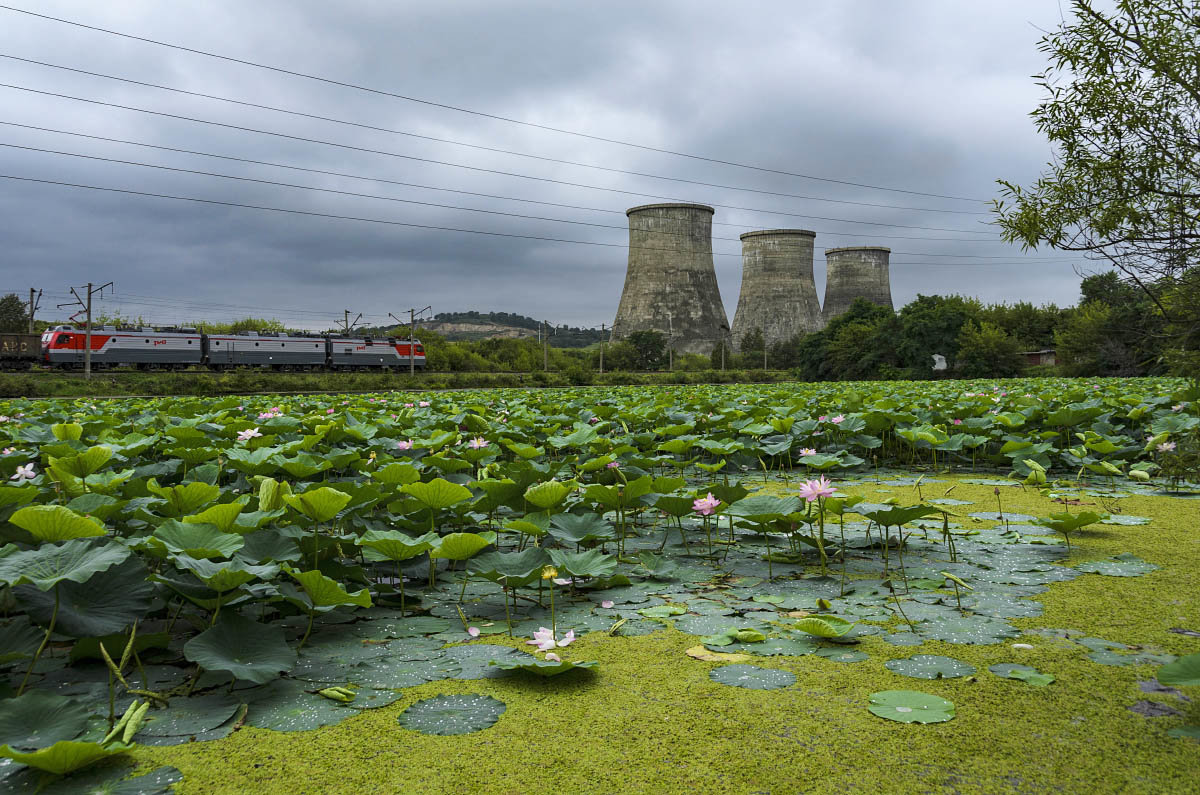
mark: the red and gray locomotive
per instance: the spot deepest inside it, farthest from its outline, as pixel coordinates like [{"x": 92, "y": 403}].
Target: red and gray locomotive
[{"x": 178, "y": 348}]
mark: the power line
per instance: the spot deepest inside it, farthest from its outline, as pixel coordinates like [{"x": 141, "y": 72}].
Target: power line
[
  {"x": 414, "y": 201},
  {"x": 547, "y": 159},
  {"x": 414, "y": 158},
  {"x": 315, "y": 214},
  {"x": 482, "y": 114},
  {"x": 420, "y": 186}
]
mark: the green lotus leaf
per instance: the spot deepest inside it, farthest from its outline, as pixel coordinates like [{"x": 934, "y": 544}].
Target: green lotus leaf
[
  {"x": 1184, "y": 672},
  {"x": 824, "y": 626},
  {"x": 324, "y": 592},
  {"x": 108, "y": 602},
  {"x": 55, "y": 523},
  {"x": 526, "y": 451},
  {"x": 663, "y": 611},
  {"x": 271, "y": 493},
  {"x": 842, "y": 655},
  {"x": 394, "y": 545},
  {"x": 48, "y": 565},
  {"x": 397, "y": 474},
  {"x": 81, "y": 465},
  {"x": 99, "y": 506},
  {"x": 910, "y": 706},
  {"x": 454, "y": 714},
  {"x": 1124, "y": 565},
  {"x": 223, "y": 576},
  {"x": 17, "y": 495},
  {"x": 320, "y": 504},
  {"x": 541, "y": 667},
  {"x": 65, "y": 756},
  {"x": 67, "y": 431},
  {"x": 437, "y": 494},
  {"x": 1024, "y": 673},
  {"x": 571, "y": 528},
  {"x": 284, "y": 706},
  {"x": 751, "y": 677},
  {"x": 510, "y": 568},
  {"x": 589, "y": 563},
  {"x": 896, "y": 516},
  {"x": 675, "y": 505},
  {"x": 549, "y": 493},
  {"x": 189, "y": 716},
  {"x": 185, "y": 499},
  {"x": 763, "y": 508},
  {"x": 532, "y": 524},
  {"x": 40, "y": 718},
  {"x": 196, "y": 540},
  {"x": 114, "y": 645},
  {"x": 246, "y": 649},
  {"x": 223, "y": 516},
  {"x": 1070, "y": 522},
  {"x": 460, "y": 546},
  {"x": 303, "y": 465},
  {"x": 930, "y": 666}
]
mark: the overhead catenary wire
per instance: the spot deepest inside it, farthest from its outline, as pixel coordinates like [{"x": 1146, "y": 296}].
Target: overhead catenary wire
[
  {"x": 409, "y": 134},
  {"x": 432, "y": 161},
  {"x": 386, "y": 181},
  {"x": 482, "y": 114},
  {"x": 335, "y": 216},
  {"x": 414, "y": 201}
]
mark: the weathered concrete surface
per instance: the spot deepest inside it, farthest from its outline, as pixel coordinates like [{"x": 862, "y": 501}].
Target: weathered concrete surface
[
  {"x": 778, "y": 294},
  {"x": 856, "y": 272},
  {"x": 670, "y": 283}
]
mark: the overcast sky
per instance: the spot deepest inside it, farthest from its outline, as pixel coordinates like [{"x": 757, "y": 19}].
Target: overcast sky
[{"x": 926, "y": 96}]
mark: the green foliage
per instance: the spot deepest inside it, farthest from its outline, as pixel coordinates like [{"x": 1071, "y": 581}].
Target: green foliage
[
  {"x": 14, "y": 315},
  {"x": 986, "y": 350}
]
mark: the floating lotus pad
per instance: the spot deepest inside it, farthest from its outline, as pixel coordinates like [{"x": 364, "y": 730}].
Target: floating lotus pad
[
  {"x": 1024, "y": 673},
  {"x": 40, "y": 718},
  {"x": 930, "y": 666},
  {"x": 189, "y": 716},
  {"x": 453, "y": 714},
  {"x": 842, "y": 656},
  {"x": 540, "y": 667},
  {"x": 1124, "y": 565},
  {"x": 751, "y": 677},
  {"x": 285, "y": 706},
  {"x": 910, "y": 706}
]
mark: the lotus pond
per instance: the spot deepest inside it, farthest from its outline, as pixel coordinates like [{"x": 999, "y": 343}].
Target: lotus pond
[{"x": 936, "y": 587}]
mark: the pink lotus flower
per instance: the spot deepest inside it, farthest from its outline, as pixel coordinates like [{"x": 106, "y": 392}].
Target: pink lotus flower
[
  {"x": 612, "y": 465},
  {"x": 706, "y": 506},
  {"x": 1178, "y": 407},
  {"x": 553, "y": 657},
  {"x": 408, "y": 405},
  {"x": 248, "y": 434},
  {"x": 1166, "y": 447},
  {"x": 807, "y": 451},
  {"x": 812, "y": 489},
  {"x": 404, "y": 444},
  {"x": 607, "y": 604},
  {"x": 957, "y": 422},
  {"x": 9, "y": 451},
  {"x": 594, "y": 420},
  {"x": 424, "y": 404},
  {"x": 473, "y": 632},
  {"x": 838, "y": 420},
  {"x": 544, "y": 639},
  {"x": 478, "y": 443},
  {"x": 822, "y": 418},
  {"x": 24, "y": 473}
]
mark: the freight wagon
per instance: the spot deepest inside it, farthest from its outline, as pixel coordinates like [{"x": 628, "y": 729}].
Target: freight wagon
[{"x": 19, "y": 351}]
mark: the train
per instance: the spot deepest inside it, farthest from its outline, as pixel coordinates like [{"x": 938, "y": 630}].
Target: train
[
  {"x": 19, "y": 351},
  {"x": 144, "y": 348}
]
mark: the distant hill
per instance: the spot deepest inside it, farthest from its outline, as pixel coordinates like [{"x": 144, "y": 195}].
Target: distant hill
[{"x": 457, "y": 326}]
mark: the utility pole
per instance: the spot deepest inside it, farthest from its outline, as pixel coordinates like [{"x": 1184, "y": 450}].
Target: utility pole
[
  {"x": 34, "y": 301},
  {"x": 87, "y": 307},
  {"x": 412, "y": 335},
  {"x": 601, "y": 349},
  {"x": 545, "y": 349},
  {"x": 346, "y": 324}
]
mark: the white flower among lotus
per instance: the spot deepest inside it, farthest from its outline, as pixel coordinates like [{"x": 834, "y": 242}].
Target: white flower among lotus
[{"x": 544, "y": 639}]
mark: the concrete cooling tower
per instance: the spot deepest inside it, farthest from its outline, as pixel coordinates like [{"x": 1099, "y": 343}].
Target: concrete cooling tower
[
  {"x": 778, "y": 294},
  {"x": 856, "y": 272},
  {"x": 670, "y": 283}
]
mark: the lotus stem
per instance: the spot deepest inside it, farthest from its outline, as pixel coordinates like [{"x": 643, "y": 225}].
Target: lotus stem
[
  {"x": 42, "y": 647},
  {"x": 307, "y": 632}
]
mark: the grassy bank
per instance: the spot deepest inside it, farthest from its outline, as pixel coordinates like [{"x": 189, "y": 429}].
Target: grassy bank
[{"x": 115, "y": 384}]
